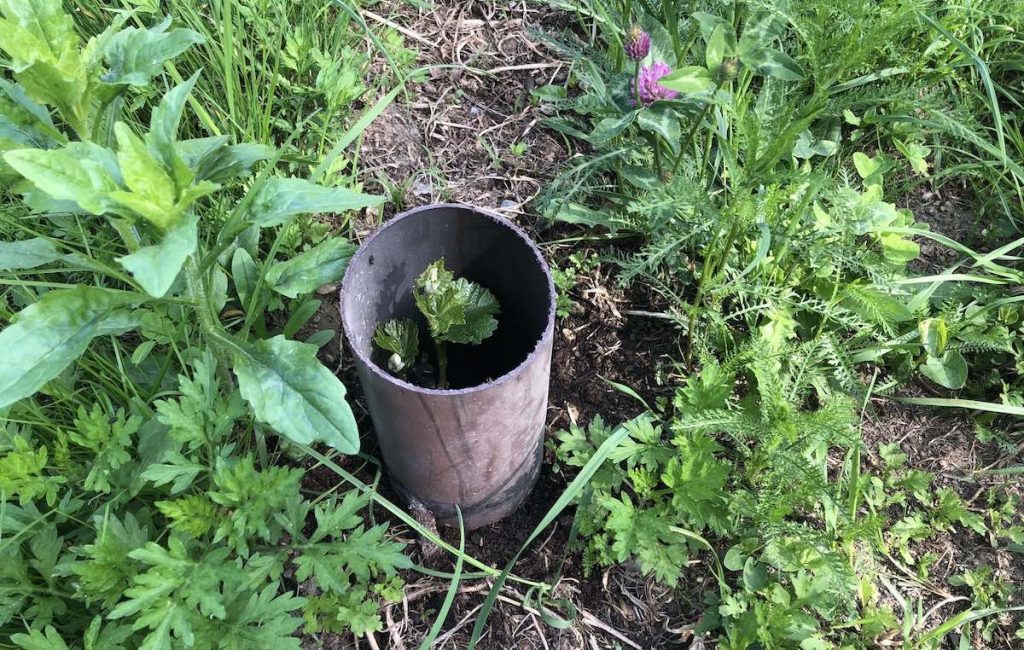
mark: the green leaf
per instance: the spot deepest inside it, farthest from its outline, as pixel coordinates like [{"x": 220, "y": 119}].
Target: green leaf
[
  {"x": 36, "y": 640},
  {"x": 479, "y": 308},
  {"x": 27, "y": 254},
  {"x": 610, "y": 127},
  {"x": 156, "y": 267},
  {"x": 290, "y": 390},
  {"x": 45, "y": 337},
  {"x": 689, "y": 80},
  {"x": 899, "y": 249},
  {"x": 152, "y": 189},
  {"x": 772, "y": 63},
  {"x": 866, "y": 165},
  {"x": 709, "y": 23},
  {"x": 81, "y": 172},
  {"x": 948, "y": 371},
  {"x": 934, "y": 335},
  {"x": 571, "y": 212},
  {"x": 399, "y": 337},
  {"x": 134, "y": 56},
  {"x": 663, "y": 121},
  {"x": 281, "y": 198},
  {"x": 245, "y": 274},
  {"x": 916, "y": 154},
  {"x": 40, "y": 39},
  {"x": 720, "y": 45},
  {"x": 311, "y": 269}
]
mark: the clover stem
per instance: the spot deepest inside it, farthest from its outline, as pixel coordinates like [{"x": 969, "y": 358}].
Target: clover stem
[{"x": 442, "y": 364}]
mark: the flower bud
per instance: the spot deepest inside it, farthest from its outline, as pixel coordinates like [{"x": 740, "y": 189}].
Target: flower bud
[
  {"x": 395, "y": 363},
  {"x": 638, "y": 43},
  {"x": 730, "y": 67},
  {"x": 433, "y": 282}
]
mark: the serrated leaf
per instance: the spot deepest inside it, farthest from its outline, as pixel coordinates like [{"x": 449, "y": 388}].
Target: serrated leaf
[
  {"x": 772, "y": 63},
  {"x": 311, "y": 269},
  {"x": 82, "y": 173},
  {"x": 479, "y": 306},
  {"x": 290, "y": 390},
  {"x": 688, "y": 80},
  {"x": 36, "y": 640},
  {"x": 156, "y": 267},
  {"x": 45, "y": 337},
  {"x": 27, "y": 254},
  {"x": 280, "y": 198},
  {"x": 399, "y": 337},
  {"x": 134, "y": 56}
]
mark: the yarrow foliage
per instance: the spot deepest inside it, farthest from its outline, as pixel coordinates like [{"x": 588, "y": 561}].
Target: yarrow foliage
[{"x": 646, "y": 88}]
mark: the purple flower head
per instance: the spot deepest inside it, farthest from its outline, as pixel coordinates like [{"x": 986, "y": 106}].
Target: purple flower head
[
  {"x": 638, "y": 45},
  {"x": 647, "y": 89}
]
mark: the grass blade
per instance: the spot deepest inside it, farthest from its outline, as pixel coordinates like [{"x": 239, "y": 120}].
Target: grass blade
[
  {"x": 571, "y": 492},
  {"x": 974, "y": 405},
  {"x": 453, "y": 589}
]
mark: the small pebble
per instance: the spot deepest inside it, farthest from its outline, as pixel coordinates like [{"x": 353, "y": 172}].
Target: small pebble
[
  {"x": 508, "y": 205},
  {"x": 473, "y": 110},
  {"x": 421, "y": 187}
]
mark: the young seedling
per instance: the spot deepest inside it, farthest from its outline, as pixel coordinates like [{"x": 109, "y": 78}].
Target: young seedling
[{"x": 457, "y": 311}]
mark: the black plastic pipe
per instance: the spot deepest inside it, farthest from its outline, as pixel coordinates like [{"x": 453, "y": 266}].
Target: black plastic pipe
[{"x": 479, "y": 444}]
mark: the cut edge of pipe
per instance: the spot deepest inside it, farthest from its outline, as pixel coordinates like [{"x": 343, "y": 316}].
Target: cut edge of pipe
[{"x": 545, "y": 339}]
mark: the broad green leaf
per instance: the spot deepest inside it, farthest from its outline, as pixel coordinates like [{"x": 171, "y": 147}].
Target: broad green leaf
[
  {"x": 83, "y": 173},
  {"x": 865, "y": 165},
  {"x": 610, "y": 127},
  {"x": 291, "y": 391},
  {"x": 281, "y": 198},
  {"x": 720, "y": 45},
  {"x": 134, "y": 56},
  {"x": 690, "y": 80},
  {"x": 152, "y": 189},
  {"x": 311, "y": 269},
  {"x": 27, "y": 254},
  {"x": 642, "y": 177},
  {"x": 760, "y": 31},
  {"x": 163, "y": 129},
  {"x": 45, "y": 337},
  {"x": 40, "y": 39},
  {"x": 934, "y": 336},
  {"x": 663, "y": 121},
  {"x": 709, "y": 23},
  {"x": 899, "y": 249},
  {"x": 244, "y": 273},
  {"x": 948, "y": 371},
  {"x": 571, "y": 212},
  {"x": 479, "y": 308},
  {"x": 399, "y": 337},
  {"x": 772, "y": 63},
  {"x": 233, "y": 161},
  {"x": 156, "y": 267}
]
